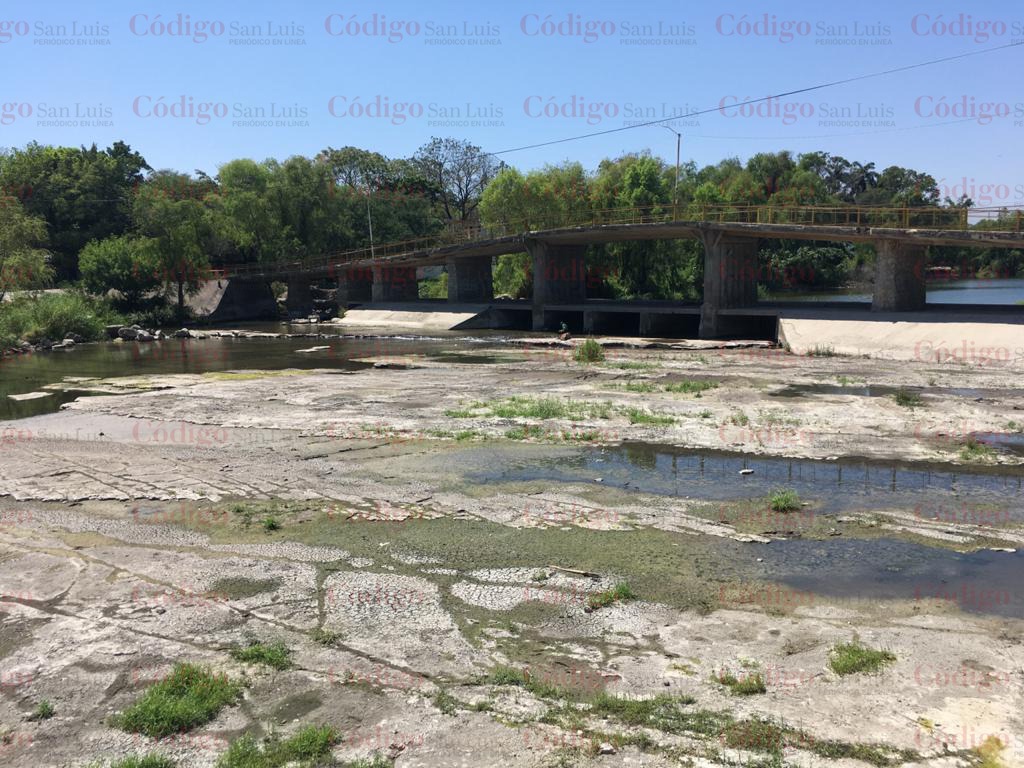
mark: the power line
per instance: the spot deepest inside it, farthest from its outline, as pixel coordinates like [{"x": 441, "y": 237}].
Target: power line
[
  {"x": 836, "y": 135},
  {"x": 784, "y": 94}
]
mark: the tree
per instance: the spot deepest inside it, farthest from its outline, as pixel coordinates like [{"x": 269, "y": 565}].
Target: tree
[
  {"x": 459, "y": 172},
  {"x": 23, "y": 262},
  {"x": 182, "y": 229},
  {"x": 127, "y": 264}
]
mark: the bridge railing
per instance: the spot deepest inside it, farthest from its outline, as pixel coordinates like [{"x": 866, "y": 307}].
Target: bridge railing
[{"x": 838, "y": 216}]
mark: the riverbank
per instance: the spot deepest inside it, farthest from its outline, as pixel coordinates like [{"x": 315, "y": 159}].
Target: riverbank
[{"x": 418, "y": 529}]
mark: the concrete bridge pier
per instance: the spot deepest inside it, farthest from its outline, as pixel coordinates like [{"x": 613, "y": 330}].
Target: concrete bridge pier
[
  {"x": 730, "y": 280},
  {"x": 559, "y": 277},
  {"x": 394, "y": 282},
  {"x": 899, "y": 276},
  {"x": 355, "y": 286},
  {"x": 470, "y": 280},
  {"x": 300, "y": 296}
]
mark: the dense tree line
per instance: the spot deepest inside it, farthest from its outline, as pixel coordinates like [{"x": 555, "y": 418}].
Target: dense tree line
[{"x": 106, "y": 219}]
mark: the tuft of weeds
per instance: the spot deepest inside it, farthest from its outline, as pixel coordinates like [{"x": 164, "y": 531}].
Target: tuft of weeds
[
  {"x": 641, "y": 416},
  {"x": 739, "y": 419},
  {"x": 631, "y": 366},
  {"x": 276, "y": 655},
  {"x": 851, "y": 658},
  {"x": 44, "y": 711},
  {"x": 990, "y": 753},
  {"x": 271, "y": 523},
  {"x": 973, "y": 450},
  {"x": 784, "y": 500},
  {"x": 588, "y": 352},
  {"x": 544, "y": 408},
  {"x": 189, "y": 697},
  {"x": 152, "y": 760},
  {"x": 691, "y": 387},
  {"x": 445, "y": 702},
  {"x": 325, "y": 637},
  {"x": 618, "y": 593},
  {"x": 310, "y": 746},
  {"x": 907, "y": 399},
  {"x": 529, "y": 432},
  {"x": 822, "y": 350},
  {"x": 748, "y": 685}
]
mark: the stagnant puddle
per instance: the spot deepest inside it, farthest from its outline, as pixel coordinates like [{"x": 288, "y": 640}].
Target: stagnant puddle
[
  {"x": 985, "y": 581},
  {"x": 833, "y": 486},
  {"x": 889, "y": 569},
  {"x": 877, "y": 390}
]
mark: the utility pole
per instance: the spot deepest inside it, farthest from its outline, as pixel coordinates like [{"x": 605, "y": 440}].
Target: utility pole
[{"x": 369, "y": 221}]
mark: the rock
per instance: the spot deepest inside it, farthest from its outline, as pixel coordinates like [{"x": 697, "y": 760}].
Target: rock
[
  {"x": 564, "y": 336},
  {"x": 746, "y": 471},
  {"x": 76, "y": 338},
  {"x": 119, "y": 341},
  {"x": 112, "y": 331},
  {"x": 44, "y": 344},
  {"x": 181, "y": 333},
  {"x": 128, "y": 334},
  {"x": 144, "y": 336},
  {"x": 605, "y": 749},
  {"x": 136, "y": 327},
  {"x": 66, "y": 344},
  {"x": 159, "y": 335}
]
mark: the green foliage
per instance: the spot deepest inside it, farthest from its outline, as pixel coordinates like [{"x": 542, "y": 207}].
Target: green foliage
[
  {"x": 691, "y": 387},
  {"x": 641, "y": 416},
  {"x": 44, "y": 711},
  {"x": 189, "y": 697},
  {"x": 588, "y": 352},
  {"x": 23, "y": 261},
  {"x": 850, "y": 658},
  {"x": 908, "y": 399},
  {"x": 434, "y": 287},
  {"x": 276, "y": 655},
  {"x": 548, "y": 408},
  {"x": 152, "y": 760},
  {"x": 271, "y": 524},
  {"x": 748, "y": 685},
  {"x": 972, "y": 450},
  {"x": 310, "y": 747},
  {"x": 618, "y": 593},
  {"x": 127, "y": 264},
  {"x": 784, "y": 500},
  {"x": 55, "y": 316},
  {"x": 445, "y": 702}
]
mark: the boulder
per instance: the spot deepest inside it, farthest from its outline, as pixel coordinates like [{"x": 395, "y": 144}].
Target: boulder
[
  {"x": 128, "y": 334},
  {"x": 144, "y": 336},
  {"x": 76, "y": 338},
  {"x": 112, "y": 331},
  {"x": 182, "y": 333}
]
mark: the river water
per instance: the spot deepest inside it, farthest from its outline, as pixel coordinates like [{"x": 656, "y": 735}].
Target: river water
[{"x": 990, "y": 292}]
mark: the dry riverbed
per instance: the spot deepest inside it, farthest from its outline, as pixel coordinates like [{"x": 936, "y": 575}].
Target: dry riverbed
[{"x": 522, "y": 561}]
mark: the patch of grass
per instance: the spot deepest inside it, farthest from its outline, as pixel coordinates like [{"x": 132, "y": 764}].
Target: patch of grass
[
  {"x": 973, "y": 450},
  {"x": 664, "y": 712},
  {"x": 244, "y": 513},
  {"x": 822, "y": 350},
  {"x": 784, "y": 500},
  {"x": 851, "y": 658},
  {"x": 529, "y": 432},
  {"x": 621, "y": 591},
  {"x": 739, "y": 418},
  {"x": 310, "y": 746},
  {"x": 271, "y": 523},
  {"x": 325, "y": 637},
  {"x": 544, "y": 408},
  {"x": 630, "y": 366},
  {"x": 460, "y": 413},
  {"x": 908, "y": 399},
  {"x": 55, "y": 316},
  {"x": 466, "y": 434},
  {"x": 189, "y": 697},
  {"x": 44, "y": 711},
  {"x": 376, "y": 761},
  {"x": 756, "y": 734},
  {"x": 446, "y": 703},
  {"x": 777, "y": 418},
  {"x": 744, "y": 686},
  {"x": 640, "y": 387},
  {"x": 642, "y": 416},
  {"x": 239, "y": 587},
  {"x": 588, "y": 352},
  {"x": 276, "y": 655},
  {"x": 691, "y": 386},
  {"x": 705, "y": 414},
  {"x": 152, "y": 760}
]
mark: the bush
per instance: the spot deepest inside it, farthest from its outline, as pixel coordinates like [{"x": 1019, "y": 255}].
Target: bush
[
  {"x": 55, "y": 316},
  {"x": 784, "y": 500},
  {"x": 129, "y": 265},
  {"x": 588, "y": 352},
  {"x": 850, "y": 658}
]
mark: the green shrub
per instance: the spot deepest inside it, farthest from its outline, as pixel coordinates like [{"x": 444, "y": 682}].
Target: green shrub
[
  {"x": 43, "y": 711},
  {"x": 55, "y": 316},
  {"x": 618, "y": 593},
  {"x": 588, "y": 352},
  {"x": 276, "y": 655},
  {"x": 908, "y": 399},
  {"x": 784, "y": 500},
  {"x": 189, "y": 697},
  {"x": 311, "y": 746}
]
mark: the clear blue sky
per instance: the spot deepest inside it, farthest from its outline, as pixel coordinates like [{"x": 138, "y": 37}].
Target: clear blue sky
[{"x": 497, "y": 69}]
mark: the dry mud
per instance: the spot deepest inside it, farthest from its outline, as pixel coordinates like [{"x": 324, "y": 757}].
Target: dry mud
[{"x": 134, "y": 535}]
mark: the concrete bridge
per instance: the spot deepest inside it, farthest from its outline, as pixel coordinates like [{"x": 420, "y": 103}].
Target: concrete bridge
[{"x": 730, "y": 236}]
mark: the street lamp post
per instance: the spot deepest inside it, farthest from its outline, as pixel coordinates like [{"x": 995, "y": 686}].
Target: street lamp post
[{"x": 679, "y": 141}]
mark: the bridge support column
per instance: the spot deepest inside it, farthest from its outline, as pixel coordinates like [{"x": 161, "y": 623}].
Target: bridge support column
[
  {"x": 899, "y": 277},
  {"x": 470, "y": 280},
  {"x": 394, "y": 283},
  {"x": 559, "y": 277},
  {"x": 355, "y": 286},
  {"x": 730, "y": 280},
  {"x": 300, "y": 296}
]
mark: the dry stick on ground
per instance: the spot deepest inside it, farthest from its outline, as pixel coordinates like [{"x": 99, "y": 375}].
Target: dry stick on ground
[{"x": 572, "y": 570}]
